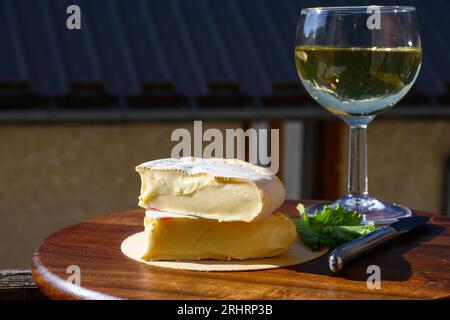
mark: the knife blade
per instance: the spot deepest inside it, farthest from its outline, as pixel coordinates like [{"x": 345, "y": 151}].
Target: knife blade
[{"x": 380, "y": 236}]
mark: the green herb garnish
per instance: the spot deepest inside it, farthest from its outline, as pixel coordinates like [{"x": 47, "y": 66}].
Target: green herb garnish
[{"x": 330, "y": 227}]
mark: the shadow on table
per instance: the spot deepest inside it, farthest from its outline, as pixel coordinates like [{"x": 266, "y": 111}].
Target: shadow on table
[{"x": 389, "y": 258}]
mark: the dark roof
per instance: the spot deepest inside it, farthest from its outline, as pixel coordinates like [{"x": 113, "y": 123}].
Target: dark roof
[{"x": 185, "y": 49}]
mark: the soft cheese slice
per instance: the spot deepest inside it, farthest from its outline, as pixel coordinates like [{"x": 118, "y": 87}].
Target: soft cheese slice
[
  {"x": 215, "y": 188},
  {"x": 177, "y": 237}
]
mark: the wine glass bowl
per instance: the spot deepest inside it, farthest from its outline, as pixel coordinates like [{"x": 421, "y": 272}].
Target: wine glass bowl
[
  {"x": 357, "y": 62},
  {"x": 357, "y": 82}
]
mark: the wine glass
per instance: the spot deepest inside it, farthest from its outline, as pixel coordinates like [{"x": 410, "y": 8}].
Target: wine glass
[{"x": 357, "y": 62}]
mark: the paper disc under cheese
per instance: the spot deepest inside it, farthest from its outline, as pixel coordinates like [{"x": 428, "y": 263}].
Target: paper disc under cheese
[{"x": 298, "y": 253}]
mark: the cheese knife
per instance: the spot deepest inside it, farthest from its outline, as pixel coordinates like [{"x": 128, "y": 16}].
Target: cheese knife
[{"x": 380, "y": 236}]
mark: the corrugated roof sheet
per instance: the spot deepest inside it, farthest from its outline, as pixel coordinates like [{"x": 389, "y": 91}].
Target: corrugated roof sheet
[{"x": 191, "y": 44}]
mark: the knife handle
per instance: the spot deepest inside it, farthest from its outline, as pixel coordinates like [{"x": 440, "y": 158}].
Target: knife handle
[{"x": 355, "y": 248}]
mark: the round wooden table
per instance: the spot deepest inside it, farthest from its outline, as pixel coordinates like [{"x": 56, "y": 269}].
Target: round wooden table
[{"x": 414, "y": 266}]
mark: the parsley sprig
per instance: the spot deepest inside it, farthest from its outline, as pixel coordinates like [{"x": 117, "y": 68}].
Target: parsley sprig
[{"x": 330, "y": 227}]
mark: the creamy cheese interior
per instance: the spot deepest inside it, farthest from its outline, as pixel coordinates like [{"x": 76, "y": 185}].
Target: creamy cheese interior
[
  {"x": 173, "y": 237},
  {"x": 219, "y": 189},
  {"x": 200, "y": 195}
]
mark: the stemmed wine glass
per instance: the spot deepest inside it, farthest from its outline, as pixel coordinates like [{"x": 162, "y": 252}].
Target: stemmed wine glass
[{"x": 357, "y": 62}]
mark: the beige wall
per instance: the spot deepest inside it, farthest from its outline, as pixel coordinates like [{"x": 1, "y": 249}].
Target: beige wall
[
  {"x": 56, "y": 175},
  {"x": 406, "y": 162}
]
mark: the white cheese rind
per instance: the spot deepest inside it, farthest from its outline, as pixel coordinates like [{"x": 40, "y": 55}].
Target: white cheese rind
[
  {"x": 215, "y": 188},
  {"x": 155, "y": 214}
]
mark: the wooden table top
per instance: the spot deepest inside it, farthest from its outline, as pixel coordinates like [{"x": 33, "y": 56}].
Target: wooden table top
[{"x": 413, "y": 266}]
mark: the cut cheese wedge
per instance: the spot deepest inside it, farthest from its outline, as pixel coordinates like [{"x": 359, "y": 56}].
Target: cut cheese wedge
[
  {"x": 177, "y": 237},
  {"x": 215, "y": 188}
]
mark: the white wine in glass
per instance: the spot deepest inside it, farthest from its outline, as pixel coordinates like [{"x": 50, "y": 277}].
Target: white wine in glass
[{"x": 357, "y": 72}]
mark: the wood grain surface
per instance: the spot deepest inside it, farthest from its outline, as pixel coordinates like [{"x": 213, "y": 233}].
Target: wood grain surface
[{"x": 414, "y": 266}]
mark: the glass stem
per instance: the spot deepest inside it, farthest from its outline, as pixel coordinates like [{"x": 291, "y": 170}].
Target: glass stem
[{"x": 357, "y": 163}]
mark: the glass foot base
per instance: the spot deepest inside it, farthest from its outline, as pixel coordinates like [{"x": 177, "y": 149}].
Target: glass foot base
[{"x": 370, "y": 208}]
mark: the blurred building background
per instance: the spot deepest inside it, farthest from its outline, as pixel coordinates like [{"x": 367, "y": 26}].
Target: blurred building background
[{"x": 80, "y": 108}]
